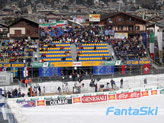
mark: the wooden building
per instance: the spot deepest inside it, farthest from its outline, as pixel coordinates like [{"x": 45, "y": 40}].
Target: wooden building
[
  {"x": 24, "y": 28},
  {"x": 3, "y": 31},
  {"x": 121, "y": 22}
]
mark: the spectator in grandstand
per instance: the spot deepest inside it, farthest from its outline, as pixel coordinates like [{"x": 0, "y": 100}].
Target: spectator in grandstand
[
  {"x": 94, "y": 47},
  {"x": 77, "y": 58},
  {"x": 59, "y": 90}
]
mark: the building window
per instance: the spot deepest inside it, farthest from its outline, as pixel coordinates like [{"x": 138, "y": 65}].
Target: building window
[
  {"x": 120, "y": 27},
  {"x": 131, "y": 28},
  {"x": 110, "y": 20},
  {"x": 137, "y": 27},
  {"x": 119, "y": 19},
  {"x": 131, "y": 19}
]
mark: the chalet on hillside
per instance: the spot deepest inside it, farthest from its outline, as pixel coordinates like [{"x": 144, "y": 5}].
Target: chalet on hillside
[
  {"x": 122, "y": 22},
  {"x": 3, "y": 31},
  {"x": 24, "y": 28}
]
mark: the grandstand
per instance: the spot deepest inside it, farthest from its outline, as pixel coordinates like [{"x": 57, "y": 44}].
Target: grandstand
[
  {"x": 56, "y": 52},
  {"x": 93, "y": 52}
]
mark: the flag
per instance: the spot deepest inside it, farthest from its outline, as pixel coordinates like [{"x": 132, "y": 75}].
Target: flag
[
  {"x": 151, "y": 45},
  {"x": 14, "y": 70},
  {"x": 103, "y": 70},
  {"x": 144, "y": 38},
  {"x": 160, "y": 44},
  {"x": 146, "y": 68},
  {"x": 123, "y": 69}
]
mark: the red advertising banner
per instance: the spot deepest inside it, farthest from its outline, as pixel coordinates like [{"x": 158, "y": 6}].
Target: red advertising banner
[
  {"x": 77, "y": 100},
  {"x": 111, "y": 97},
  {"x": 121, "y": 96},
  {"x": 153, "y": 92},
  {"x": 96, "y": 98},
  {"x": 145, "y": 93},
  {"x": 40, "y": 103}
]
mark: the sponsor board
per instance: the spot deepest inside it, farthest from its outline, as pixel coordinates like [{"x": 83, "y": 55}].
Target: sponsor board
[
  {"x": 96, "y": 98},
  {"x": 26, "y": 104},
  {"x": 145, "y": 93},
  {"x": 153, "y": 92},
  {"x": 58, "y": 101},
  {"x": 76, "y": 64},
  {"x": 77, "y": 100},
  {"x": 121, "y": 96},
  {"x": 40, "y": 102},
  {"x": 162, "y": 91},
  {"x": 111, "y": 97}
]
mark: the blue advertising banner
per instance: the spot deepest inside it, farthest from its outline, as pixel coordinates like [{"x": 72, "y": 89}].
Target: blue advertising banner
[
  {"x": 49, "y": 72},
  {"x": 103, "y": 70},
  {"x": 27, "y": 104},
  {"x": 144, "y": 38},
  {"x": 137, "y": 62}
]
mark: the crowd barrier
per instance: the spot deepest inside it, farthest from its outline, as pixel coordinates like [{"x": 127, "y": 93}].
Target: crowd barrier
[{"x": 90, "y": 97}]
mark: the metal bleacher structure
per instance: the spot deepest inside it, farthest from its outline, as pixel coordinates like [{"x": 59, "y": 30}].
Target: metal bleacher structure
[
  {"x": 88, "y": 53},
  {"x": 56, "y": 54}
]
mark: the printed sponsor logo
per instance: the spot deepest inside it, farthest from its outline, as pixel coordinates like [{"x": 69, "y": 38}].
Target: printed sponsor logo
[
  {"x": 162, "y": 91},
  {"x": 111, "y": 97},
  {"x": 143, "y": 111},
  {"x": 26, "y": 104},
  {"x": 76, "y": 100},
  {"x": 154, "y": 92},
  {"x": 145, "y": 93},
  {"x": 77, "y": 64},
  {"x": 40, "y": 103},
  {"x": 96, "y": 98},
  {"x": 121, "y": 96},
  {"x": 59, "y": 101}
]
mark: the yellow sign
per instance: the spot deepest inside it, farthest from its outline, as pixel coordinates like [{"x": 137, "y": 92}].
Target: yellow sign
[
  {"x": 1, "y": 65},
  {"x": 91, "y": 63},
  {"x": 62, "y": 64},
  {"x": 94, "y": 17},
  {"x": 17, "y": 65},
  {"x": 7, "y": 65}
]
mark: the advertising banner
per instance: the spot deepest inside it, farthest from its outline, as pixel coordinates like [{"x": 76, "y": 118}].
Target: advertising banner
[
  {"x": 153, "y": 92},
  {"x": 79, "y": 19},
  {"x": 77, "y": 100},
  {"x": 111, "y": 97},
  {"x": 40, "y": 102},
  {"x": 103, "y": 70},
  {"x": 59, "y": 101},
  {"x": 121, "y": 96},
  {"x": 161, "y": 91},
  {"x": 76, "y": 64},
  {"x": 145, "y": 93},
  {"x": 144, "y": 38},
  {"x": 121, "y": 35},
  {"x": 26, "y": 104},
  {"x": 94, "y": 18},
  {"x": 109, "y": 32},
  {"x": 49, "y": 72},
  {"x": 96, "y": 98},
  {"x": 137, "y": 62}
]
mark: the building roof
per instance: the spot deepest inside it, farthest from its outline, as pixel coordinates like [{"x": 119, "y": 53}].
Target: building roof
[
  {"x": 114, "y": 14},
  {"x": 22, "y": 18}
]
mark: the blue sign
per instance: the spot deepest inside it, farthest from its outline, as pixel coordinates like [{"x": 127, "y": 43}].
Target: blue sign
[
  {"x": 103, "y": 70},
  {"x": 49, "y": 72},
  {"x": 109, "y": 32},
  {"x": 144, "y": 38}
]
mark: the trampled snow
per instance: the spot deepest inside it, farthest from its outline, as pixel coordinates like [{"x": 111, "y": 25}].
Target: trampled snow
[{"x": 96, "y": 112}]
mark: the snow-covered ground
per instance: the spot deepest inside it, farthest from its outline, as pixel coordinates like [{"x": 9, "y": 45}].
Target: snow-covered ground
[{"x": 96, "y": 112}]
